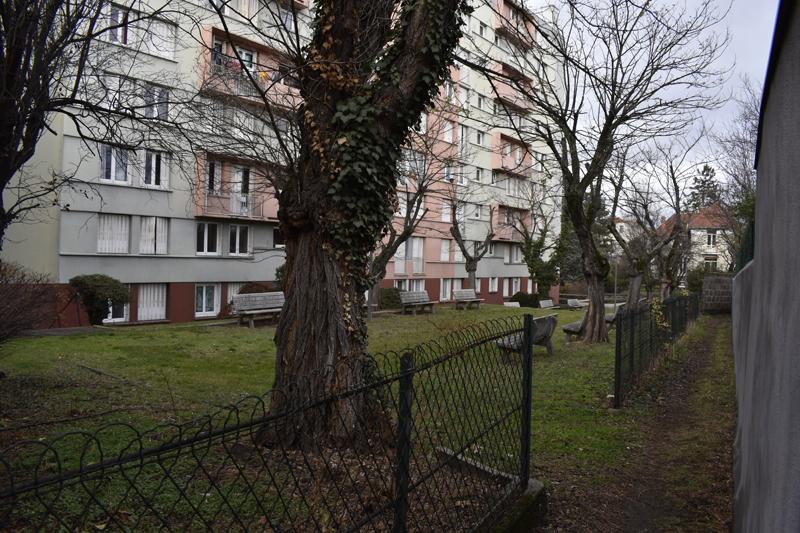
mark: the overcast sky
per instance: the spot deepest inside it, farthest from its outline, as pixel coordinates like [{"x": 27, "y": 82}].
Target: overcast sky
[{"x": 751, "y": 23}]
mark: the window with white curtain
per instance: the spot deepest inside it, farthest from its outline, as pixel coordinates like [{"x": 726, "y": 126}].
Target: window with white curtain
[
  {"x": 444, "y": 254},
  {"x": 113, "y": 234},
  {"x": 158, "y": 38},
  {"x": 206, "y": 299},
  {"x": 492, "y": 284},
  {"x": 445, "y": 211},
  {"x": 458, "y": 255},
  {"x": 113, "y": 164},
  {"x": 477, "y": 285},
  {"x": 154, "y": 235},
  {"x": 416, "y": 285},
  {"x": 156, "y": 101},
  {"x": 516, "y": 285},
  {"x": 447, "y": 133},
  {"x": 152, "y": 303},
  {"x": 213, "y": 175},
  {"x": 234, "y": 288}
]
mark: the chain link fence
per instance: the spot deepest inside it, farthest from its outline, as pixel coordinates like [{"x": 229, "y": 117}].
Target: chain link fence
[
  {"x": 642, "y": 334},
  {"x": 446, "y": 447}
]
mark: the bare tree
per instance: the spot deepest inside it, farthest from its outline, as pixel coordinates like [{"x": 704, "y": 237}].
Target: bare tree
[
  {"x": 645, "y": 186},
  {"x": 607, "y": 74},
  {"x": 55, "y": 58}
]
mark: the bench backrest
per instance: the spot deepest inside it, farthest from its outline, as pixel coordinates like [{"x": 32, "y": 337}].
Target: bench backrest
[
  {"x": 465, "y": 294},
  {"x": 545, "y": 326},
  {"x": 546, "y": 303},
  {"x": 573, "y": 302},
  {"x": 414, "y": 297},
  {"x": 257, "y": 301},
  {"x": 511, "y": 304}
]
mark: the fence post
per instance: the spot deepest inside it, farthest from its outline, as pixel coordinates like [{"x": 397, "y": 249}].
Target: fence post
[
  {"x": 527, "y": 400},
  {"x": 618, "y": 361},
  {"x": 633, "y": 314},
  {"x": 404, "y": 422}
]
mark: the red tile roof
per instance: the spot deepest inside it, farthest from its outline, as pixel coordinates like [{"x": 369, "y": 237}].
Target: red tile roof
[{"x": 712, "y": 217}]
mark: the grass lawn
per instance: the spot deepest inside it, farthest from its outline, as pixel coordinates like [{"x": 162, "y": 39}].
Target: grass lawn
[{"x": 150, "y": 374}]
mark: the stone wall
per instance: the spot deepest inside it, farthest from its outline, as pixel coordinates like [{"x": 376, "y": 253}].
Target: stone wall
[{"x": 717, "y": 294}]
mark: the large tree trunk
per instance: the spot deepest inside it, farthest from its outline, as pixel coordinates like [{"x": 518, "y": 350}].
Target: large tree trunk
[
  {"x": 471, "y": 267},
  {"x": 634, "y": 289},
  {"x": 321, "y": 344},
  {"x": 596, "y": 330}
]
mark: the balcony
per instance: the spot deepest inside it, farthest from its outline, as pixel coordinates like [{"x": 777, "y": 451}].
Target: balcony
[
  {"x": 415, "y": 265},
  {"x": 233, "y": 205}
]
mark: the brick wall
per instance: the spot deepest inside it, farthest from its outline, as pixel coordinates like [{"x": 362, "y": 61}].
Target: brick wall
[{"x": 717, "y": 294}]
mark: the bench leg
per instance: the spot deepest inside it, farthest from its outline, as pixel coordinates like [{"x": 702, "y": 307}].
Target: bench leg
[
  {"x": 252, "y": 323},
  {"x": 549, "y": 347}
]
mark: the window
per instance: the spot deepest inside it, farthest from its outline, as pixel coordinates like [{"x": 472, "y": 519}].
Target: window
[
  {"x": 113, "y": 234},
  {"x": 152, "y": 302},
  {"x": 516, "y": 285},
  {"x": 463, "y": 139},
  {"x": 711, "y": 238},
  {"x": 247, "y": 58},
  {"x": 277, "y": 238},
  {"x": 159, "y": 38},
  {"x": 490, "y": 253},
  {"x": 481, "y": 102},
  {"x": 514, "y": 187},
  {"x": 516, "y": 253},
  {"x": 483, "y": 30},
  {"x": 423, "y": 123},
  {"x": 710, "y": 264},
  {"x": 401, "y": 284},
  {"x": 492, "y": 284},
  {"x": 412, "y": 163},
  {"x": 156, "y": 102},
  {"x": 447, "y": 133},
  {"x": 287, "y": 19},
  {"x": 206, "y": 300},
  {"x": 239, "y": 240},
  {"x": 448, "y": 173},
  {"x": 506, "y": 288},
  {"x": 479, "y": 175},
  {"x": 155, "y": 169},
  {"x": 463, "y": 95},
  {"x": 218, "y": 53},
  {"x": 479, "y": 138},
  {"x": 449, "y": 90},
  {"x": 444, "y": 253},
  {"x": 458, "y": 255},
  {"x": 477, "y": 212},
  {"x": 207, "y": 238},
  {"x": 446, "y": 289},
  {"x": 213, "y": 175},
  {"x": 154, "y": 235},
  {"x": 113, "y": 164},
  {"x": 117, "y": 312},
  {"x": 477, "y": 285},
  {"x": 446, "y": 211},
  {"x": 118, "y": 24},
  {"x": 416, "y": 285}
]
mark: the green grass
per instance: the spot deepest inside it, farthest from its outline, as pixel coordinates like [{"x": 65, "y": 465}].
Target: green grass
[{"x": 157, "y": 374}]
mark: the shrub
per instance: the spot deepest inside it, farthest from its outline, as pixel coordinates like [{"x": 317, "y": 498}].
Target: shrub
[
  {"x": 525, "y": 299},
  {"x": 389, "y": 298},
  {"x": 26, "y": 300},
  {"x": 694, "y": 279},
  {"x": 280, "y": 273},
  {"x": 255, "y": 287},
  {"x": 97, "y": 292}
]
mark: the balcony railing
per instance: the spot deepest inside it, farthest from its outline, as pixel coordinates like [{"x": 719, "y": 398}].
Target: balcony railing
[
  {"x": 415, "y": 265},
  {"x": 234, "y": 79},
  {"x": 234, "y": 205}
]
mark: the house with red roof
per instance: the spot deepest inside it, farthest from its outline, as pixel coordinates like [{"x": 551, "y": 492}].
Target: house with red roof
[{"x": 709, "y": 231}]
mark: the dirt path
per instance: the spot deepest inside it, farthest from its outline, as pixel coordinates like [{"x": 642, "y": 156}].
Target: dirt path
[
  {"x": 677, "y": 473},
  {"x": 681, "y": 479}
]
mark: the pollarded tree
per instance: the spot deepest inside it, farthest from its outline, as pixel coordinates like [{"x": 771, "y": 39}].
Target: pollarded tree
[
  {"x": 607, "y": 74},
  {"x": 362, "y": 80}
]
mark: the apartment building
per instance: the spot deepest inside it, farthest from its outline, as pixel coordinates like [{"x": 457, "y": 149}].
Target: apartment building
[
  {"x": 186, "y": 228},
  {"x": 496, "y": 168}
]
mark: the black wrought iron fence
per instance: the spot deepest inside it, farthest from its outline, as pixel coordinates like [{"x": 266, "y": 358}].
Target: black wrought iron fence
[
  {"x": 642, "y": 334},
  {"x": 446, "y": 446}
]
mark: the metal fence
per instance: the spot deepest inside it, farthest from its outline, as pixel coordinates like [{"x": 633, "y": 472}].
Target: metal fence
[
  {"x": 450, "y": 450},
  {"x": 642, "y": 334}
]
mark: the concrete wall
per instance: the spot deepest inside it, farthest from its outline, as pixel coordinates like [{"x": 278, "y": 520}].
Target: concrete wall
[{"x": 766, "y": 307}]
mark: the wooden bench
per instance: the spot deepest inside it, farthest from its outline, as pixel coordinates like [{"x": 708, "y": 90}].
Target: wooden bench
[
  {"x": 257, "y": 306},
  {"x": 574, "y": 303},
  {"x": 466, "y": 298},
  {"x": 575, "y": 329},
  {"x": 510, "y": 304},
  {"x": 543, "y": 330},
  {"x": 547, "y": 304},
  {"x": 414, "y": 300}
]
